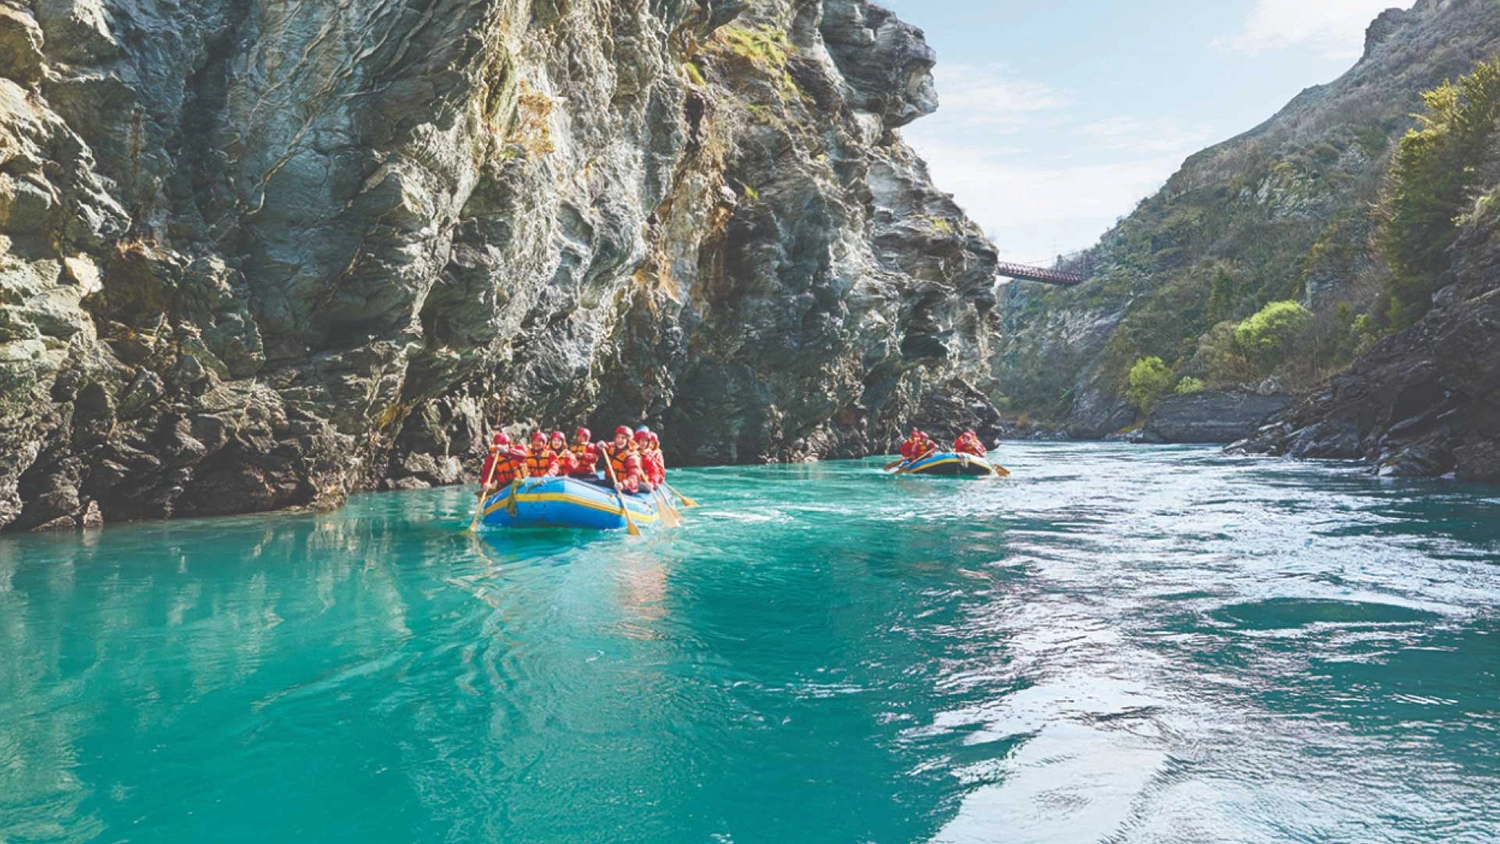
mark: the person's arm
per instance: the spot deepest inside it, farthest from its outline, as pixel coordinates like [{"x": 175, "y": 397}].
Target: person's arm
[{"x": 487, "y": 471}]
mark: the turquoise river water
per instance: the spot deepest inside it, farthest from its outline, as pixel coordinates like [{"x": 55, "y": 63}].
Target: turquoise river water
[{"x": 1115, "y": 645}]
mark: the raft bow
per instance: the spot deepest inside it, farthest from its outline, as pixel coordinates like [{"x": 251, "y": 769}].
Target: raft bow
[
  {"x": 566, "y": 503},
  {"x": 952, "y": 464}
]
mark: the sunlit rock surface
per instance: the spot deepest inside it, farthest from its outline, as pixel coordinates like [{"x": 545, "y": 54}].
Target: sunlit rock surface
[{"x": 256, "y": 255}]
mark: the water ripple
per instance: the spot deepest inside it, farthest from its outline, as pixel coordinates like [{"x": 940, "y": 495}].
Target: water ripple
[{"x": 1116, "y": 644}]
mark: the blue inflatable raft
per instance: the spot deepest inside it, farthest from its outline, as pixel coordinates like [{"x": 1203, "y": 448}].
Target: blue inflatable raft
[
  {"x": 565, "y": 503},
  {"x": 949, "y": 464}
]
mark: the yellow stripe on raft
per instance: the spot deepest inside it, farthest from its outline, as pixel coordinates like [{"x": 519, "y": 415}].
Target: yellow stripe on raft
[
  {"x": 561, "y": 498},
  {"x": 945, "y": 462}
]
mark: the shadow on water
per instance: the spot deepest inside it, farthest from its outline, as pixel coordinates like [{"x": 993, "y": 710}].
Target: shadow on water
[{"x": 1115, "y": 644}]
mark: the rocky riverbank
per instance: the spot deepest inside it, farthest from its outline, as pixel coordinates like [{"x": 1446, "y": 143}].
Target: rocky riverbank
[
  {"x": 1425, "y": 402},
  {"x": 1210, "y": 417}
]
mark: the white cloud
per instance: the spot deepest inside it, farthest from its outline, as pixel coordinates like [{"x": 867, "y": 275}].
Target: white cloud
[
  {"x": 1147, "y": 136},
  {"x": 988, "y": 95},
  {"x": 1035, "y": 211},
  {"x": 1336, "y": 27}
]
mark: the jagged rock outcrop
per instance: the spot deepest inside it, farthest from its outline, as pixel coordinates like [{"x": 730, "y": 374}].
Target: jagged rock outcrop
[
  {"x": 1210, "y": 417},
  {"x": 256, "y": 255},
  {"x": 1424, "y": 402},
  {"x": 1279, "y": 213}
]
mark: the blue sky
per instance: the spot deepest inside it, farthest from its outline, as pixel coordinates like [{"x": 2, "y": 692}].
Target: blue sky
[{"x": 1059, "y": 115}]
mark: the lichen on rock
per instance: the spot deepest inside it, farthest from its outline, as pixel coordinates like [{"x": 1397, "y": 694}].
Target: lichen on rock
[{"x": 256, "y": 255}]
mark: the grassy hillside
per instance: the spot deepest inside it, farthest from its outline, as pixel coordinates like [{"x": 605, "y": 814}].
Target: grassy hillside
[{"x": 1286, "y": 213}]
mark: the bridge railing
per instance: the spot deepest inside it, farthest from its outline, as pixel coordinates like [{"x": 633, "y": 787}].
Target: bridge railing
[{"x": 1022, "y": 272}]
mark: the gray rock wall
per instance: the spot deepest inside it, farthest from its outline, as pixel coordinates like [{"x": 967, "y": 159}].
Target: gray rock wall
[
  {"x": 1211, "y": 417},
  {"x": 257, "y": 255},
  {"x": 1424, "y": 402}
]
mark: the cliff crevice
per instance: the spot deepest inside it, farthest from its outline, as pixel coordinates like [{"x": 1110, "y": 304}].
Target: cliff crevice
[{"x": 256, "y": 255}]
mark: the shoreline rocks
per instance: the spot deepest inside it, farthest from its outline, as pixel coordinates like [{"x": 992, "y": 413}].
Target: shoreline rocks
[{"x": 1211, "y": 417}]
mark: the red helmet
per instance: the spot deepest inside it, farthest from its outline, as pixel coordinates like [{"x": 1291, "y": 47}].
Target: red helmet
[
  {"x": 585, "y": 433},
  {"x": 655, "y": 440},
  {"x": 502, "y": 438},
  {"x": 970, "y": 434},
  {"x": 558, "y": 435},
  {"x": 916, "y": 433},
  {"x": 539, "y": 437},
  {"x": 622, "y": 430},
  {"x": 643, "y": 435}
]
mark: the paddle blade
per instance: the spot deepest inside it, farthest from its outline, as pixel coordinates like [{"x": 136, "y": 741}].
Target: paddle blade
[
  {"x": 890, "y": 466},
  {"x": 631, "y": 528},
  {"x": 670, "y": 518},
  {"x": 669, "y": 515},
  {"x": 686, "y": 502},
  {"x": 1001, "y": 471}
]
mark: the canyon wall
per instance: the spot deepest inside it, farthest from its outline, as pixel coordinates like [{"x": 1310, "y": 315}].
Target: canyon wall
[{"x": 257, "y": 254}]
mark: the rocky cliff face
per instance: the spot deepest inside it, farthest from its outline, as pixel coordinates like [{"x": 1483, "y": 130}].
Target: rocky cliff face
[
  {"x": 1424, "y": 402},
  {"x": 1281, "y": 212},
  {"x": 1210, "y": 417},
  {"x": 256, "y": 255}
]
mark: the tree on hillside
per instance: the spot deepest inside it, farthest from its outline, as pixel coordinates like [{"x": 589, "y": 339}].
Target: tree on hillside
[
  {"x": 1433, "y": 174},
  {"x": 1274, "y": 333},
  {"x": 1223, "y": 360},
  {"x": 1150, "y": 379}
]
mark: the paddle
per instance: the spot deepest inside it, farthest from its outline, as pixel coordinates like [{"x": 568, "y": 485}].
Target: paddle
[
  {"x": 890, "y": 466},
  {"x": 1000, "y": 471},
  {"x": 669, "y": 515},
  {"x": 484, "y": 488},
  {"x": 609, "y": 466},
  {"x": 905, "y": 470},
  {"x": 686, "y": 502}
]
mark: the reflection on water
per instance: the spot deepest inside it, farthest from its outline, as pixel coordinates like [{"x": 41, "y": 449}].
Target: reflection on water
[{"x": 1124, "y": 645}]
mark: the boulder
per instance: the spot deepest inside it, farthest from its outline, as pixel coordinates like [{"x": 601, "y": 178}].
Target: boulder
[{"x": 1211, "y": 416}]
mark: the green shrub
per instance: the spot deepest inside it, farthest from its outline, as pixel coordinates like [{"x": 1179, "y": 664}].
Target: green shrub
[
  {"x": 1432, "y": 176},
  {"x": 1223, "y": 360},
  {"x": 1150, "y": 379},
  {"x": 1274, "y": 333},
  {"x": 1190, "y": 385},
  {"x": 762, "y": 45}
]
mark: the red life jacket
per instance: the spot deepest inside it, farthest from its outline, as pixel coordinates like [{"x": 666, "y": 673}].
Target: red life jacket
[
  {"x": 966, "y": 446},
  {"x": 915, "y": 450},
  {"x": 505, "y": 466},
  {"x": 619, "y": 458},
  {"x": 539, "y": 463},
  {"x": 584, "y": 459},
  {"x": 655, "y": 466},
  {"x": 633, "y": 479}
]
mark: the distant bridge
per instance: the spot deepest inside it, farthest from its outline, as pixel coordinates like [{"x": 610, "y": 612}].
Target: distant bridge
[{"x": 1021, "y": 272}]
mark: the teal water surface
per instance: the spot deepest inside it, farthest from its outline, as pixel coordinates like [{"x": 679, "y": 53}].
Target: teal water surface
[{"x": 1115, "y": 645}]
